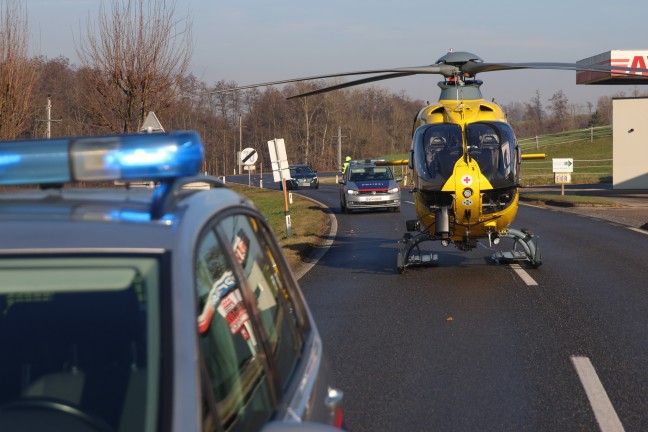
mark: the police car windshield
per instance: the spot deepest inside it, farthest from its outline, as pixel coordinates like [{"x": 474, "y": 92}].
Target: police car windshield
[
  {"x": 370, "y": 173},
  {"x": 83, "y": 332}
]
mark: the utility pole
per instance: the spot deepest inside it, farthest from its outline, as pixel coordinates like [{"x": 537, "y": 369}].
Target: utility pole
[
  {"x": 240, "y": 144},
  {"x": 48, "y": 118}
]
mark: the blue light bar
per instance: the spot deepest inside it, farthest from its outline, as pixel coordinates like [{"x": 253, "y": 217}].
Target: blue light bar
[{"x": 156, "y": 156}]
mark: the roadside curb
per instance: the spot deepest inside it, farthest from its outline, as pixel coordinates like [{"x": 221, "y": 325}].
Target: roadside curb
[{"x": 318, "y": 251}]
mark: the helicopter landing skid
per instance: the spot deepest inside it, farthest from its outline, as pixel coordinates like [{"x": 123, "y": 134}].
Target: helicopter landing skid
[
  {"x": 525, "y": 248},
  {"x": 407, "y": 258}
]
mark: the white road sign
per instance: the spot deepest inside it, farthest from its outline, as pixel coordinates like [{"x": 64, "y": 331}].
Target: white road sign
[
  {"x": 563, "y": 165},
  {"x": 278, "y": 159},
  {"x": 249, "y": 156}
]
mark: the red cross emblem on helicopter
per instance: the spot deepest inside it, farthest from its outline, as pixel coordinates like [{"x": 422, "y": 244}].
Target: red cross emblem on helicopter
[{"x": 466, "y": 180}]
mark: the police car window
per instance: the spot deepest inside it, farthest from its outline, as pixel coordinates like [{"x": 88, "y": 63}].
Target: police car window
[
  {"x": 357, "y": 174},
  {"x": 229, "y": 346},
  {"x": 84, "y": 332},
  {"x": 268, "y": 286},
  {"x": 380, "y": 173}
]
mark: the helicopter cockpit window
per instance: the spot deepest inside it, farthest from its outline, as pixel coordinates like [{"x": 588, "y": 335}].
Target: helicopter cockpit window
[
  {"x": 492, "y": 145},
  {"x": 437, "y": 147}
]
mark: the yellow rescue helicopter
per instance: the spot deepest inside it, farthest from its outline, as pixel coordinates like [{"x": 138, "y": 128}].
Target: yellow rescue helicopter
[{"x": 465, "y": 160}]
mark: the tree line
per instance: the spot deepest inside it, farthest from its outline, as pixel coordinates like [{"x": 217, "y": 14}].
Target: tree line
[{"x": 134, "y": 59}]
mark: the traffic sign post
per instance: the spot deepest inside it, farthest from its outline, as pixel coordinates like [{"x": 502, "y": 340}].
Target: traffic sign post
[
  {"x": 278, "y": 159},
  {"x": 562, "y": 168},
  {"x": 249, "y": 157},
  {"x": 281, "y": 172},
  {"x": 563, "y": 165},
  {"x": 151, "y": 124}
]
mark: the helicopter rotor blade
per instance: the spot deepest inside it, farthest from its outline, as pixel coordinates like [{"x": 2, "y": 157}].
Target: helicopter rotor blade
[
  {"x": 350, "y": 84},
  {"x": 442, "y": 69},
  {"x": 448, "y": 70},
  {"x": 473, "y": 68}
]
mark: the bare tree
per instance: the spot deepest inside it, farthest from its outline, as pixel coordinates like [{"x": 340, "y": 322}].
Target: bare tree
[
  {"x": 535, "y": 114},
  {"x": 139, "y": 55},
  {"x": 558, "y": 105},
  {"x": 17, "y": 71}
]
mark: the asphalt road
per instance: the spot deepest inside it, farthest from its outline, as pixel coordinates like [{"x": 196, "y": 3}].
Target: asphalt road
[{"x": 470, "y": 345}]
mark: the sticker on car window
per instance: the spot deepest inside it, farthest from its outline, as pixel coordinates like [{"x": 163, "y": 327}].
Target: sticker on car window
[
  {"x": 241, "y": 245},
  {"x": 221, "y": 287},
  {"x": 235, "y": 313}
]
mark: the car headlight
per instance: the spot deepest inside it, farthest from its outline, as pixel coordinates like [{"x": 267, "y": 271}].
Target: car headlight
[
  {"x": 352, "y": 192},
  {"x": 393, "y": 190}
]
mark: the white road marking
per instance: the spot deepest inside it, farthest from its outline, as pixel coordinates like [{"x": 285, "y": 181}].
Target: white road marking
[
  {"x": 409, "y": 202},
  {"x": 605, "y": 415},
  {"x": 523, "y": 275},
  {"x": 639, "y": 230}
]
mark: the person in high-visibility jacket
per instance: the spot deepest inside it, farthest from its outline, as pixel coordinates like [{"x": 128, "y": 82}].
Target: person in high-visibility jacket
[{"x": 346, "y": 164}]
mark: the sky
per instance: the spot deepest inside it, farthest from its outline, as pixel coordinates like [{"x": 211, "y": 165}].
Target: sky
[{"x": 254, "y": 41}]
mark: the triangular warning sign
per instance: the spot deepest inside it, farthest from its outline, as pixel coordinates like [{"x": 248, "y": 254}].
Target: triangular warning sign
[{"x": 151, "y": 124}]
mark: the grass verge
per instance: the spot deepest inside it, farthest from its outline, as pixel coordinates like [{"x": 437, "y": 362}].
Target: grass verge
[{"x": 567, "y": 200}]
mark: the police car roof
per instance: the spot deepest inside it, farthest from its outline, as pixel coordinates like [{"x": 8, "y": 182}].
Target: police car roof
[
  {"x": 74, "y": 217},
  {"x": 102, "y": 218}
]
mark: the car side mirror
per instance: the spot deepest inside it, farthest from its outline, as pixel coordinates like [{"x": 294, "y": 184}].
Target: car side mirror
[
  {"x": 398, "y": 179},
  {"x": 342, "y": 182},
  {"x": 410, "y": 163}
]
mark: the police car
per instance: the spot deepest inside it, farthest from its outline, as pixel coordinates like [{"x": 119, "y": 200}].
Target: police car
[
  {"x": 368, "y": 185},
  {"x": 132, "y": 309}
]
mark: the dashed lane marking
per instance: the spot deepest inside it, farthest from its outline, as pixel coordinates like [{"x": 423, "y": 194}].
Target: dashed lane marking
[
  {"x": 603, "y": 410},
  {"x": 526, "y": 277}
]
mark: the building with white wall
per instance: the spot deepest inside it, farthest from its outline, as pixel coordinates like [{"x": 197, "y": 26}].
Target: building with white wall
[
  {"x": 629, "y": 115},
  {"x": 630, "y": 138}
]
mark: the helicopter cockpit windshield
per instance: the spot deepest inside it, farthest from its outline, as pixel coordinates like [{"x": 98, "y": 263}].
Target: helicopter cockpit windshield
[
  {"x": 437, "y": 147},
  {"x": 436, "y": 150},
  {"x": 493, "y": 146}
]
